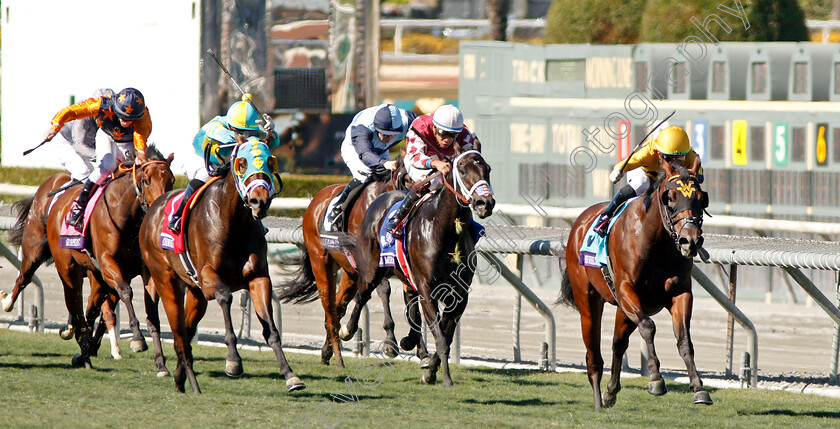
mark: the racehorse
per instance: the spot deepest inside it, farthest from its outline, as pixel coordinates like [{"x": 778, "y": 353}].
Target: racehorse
[
  {"x": 651, "y": 247},
  {"x": 226, "y": 242},
  {"x": 440, "y": 244},
  {"x": 113, "y": 227},
  {"x": 319, "y": 266}
]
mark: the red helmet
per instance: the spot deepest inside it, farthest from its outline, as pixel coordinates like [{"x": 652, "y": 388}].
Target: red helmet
[{"x": 129, "y": 105}]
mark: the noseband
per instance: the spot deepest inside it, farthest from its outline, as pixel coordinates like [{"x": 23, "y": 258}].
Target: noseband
[
  {"x": 139, "y": 186},
  {"x": 458, "y": 187},
  {"x": 673, "y": 222}
]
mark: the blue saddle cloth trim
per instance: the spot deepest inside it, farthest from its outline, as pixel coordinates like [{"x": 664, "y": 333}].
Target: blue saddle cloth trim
[
  {"x": 593, "y": 252},
  {"x": 387, "y": 241}
]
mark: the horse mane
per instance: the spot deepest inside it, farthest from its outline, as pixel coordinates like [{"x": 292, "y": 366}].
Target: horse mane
[{"x": 153, "y": 154}]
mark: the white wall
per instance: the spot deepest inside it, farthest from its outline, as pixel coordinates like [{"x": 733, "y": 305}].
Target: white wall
[{"x": 55, "y": 49}]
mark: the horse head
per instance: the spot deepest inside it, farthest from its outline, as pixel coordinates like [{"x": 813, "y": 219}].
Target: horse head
[
  {"x": 256, "y": 176},
  {"x": 471, "y": 178},
  {"x": 682, "y": 203},
  {"x": 152, "y": 178}
]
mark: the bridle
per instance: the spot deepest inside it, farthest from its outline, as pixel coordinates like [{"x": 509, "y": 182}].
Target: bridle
[
  {"x": 458, "y": 186},
  {"x": 140, "y": 186},
  {"x": 674, "y": 220}
]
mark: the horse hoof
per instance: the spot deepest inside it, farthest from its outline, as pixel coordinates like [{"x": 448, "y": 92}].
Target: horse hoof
[
  {"x": 344, "y": 333},
  {"x": 425, "y": 362},
  {"x": 116, "y": 355},
  {"x": 428, "y": 379},
  {"x": 609, "y": 400},
  {"x": 77, "y": 361},
  {"x": 138, "y": 346},
  {"x": 66, "y": 334},
  {"x": 295, "y": 383},
  {"x": 7, "y": 304},
  {"x": 407, "y": 343},
  {"x": 657, "y": 387},
  {"x": 389, "y": 351},
  {"x": 163, "y": 373},
  {"x": 702, "y": 397},
  {"x": 233, "y": 368}
]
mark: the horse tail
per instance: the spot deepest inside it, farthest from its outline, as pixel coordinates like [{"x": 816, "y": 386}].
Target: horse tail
[
  {"x": 22, "y": 207},
  {"x": 566, "y": 297},
  {"x": 302, "y": 288}
]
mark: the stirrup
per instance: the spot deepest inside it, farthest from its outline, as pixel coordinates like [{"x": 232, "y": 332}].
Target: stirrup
[
  {"x": 601, "y": 228},
  {"x": 394, "y": 229},
  {"x": 75, "y": 218},
  {"x": 175, "y": 225}
]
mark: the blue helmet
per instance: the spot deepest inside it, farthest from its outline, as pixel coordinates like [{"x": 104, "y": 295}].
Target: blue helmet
[
  {"x": 129, "y": 105},
  {"x": 242, "y": 115}
]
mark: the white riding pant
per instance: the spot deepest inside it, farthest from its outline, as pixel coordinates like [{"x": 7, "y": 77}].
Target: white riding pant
[
  {"x": 418, "y": 174},
  {"x": 78, "y": 165},
  {"x": 358, "y": 169},
  {"x": 108, "y": 156},
  {"x": 638, "y": 180},
  {"x": 190, "y": 163}
]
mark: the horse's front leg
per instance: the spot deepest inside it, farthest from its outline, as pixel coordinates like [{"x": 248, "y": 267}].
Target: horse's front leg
[
  {"x": 389, "y": 347},
  {"x": 631, "y": 305},
  {"x": 224, "y": 296},
  {"x": 621, "y": 339},
  {"x": 260, "y": 291},
  {"x": 71, "y": 279},
  {"x": 681, "y": 307},
  {"x": 362, "y": 297},
  {"x": 113, "y": 275},
  {"x": 151, "y": 299},
  {"x": 414, "y": 337}
]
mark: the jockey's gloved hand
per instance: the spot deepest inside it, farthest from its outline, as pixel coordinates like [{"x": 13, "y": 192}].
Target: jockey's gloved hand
[
  {"x": 266, "y": 123},
  {"x": 50, "y": 134},
  {"x": 615, "y": 176}
]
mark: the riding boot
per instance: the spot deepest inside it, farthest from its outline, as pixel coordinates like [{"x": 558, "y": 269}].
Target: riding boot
[
  {"x": 175, "y": 220},
  {"x": 408, "y": 202},
  {"x": 623, "y": 194},
  {"x": 345, "y": 198},
  {"x": 78, "y": 211}
]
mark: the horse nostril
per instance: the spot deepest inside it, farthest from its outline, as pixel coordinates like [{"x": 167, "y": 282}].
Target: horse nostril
[{"x": 683, "y": 242}]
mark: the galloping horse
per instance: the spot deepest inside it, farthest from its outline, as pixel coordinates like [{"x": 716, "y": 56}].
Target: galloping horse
[
  {"x": 319, "y": 266},
  {"x": 651, "y": 247},
  {"x": 226, "y": 243},
  {"x": 439, "y": 242},
  {"x": 113, "y": 228}
]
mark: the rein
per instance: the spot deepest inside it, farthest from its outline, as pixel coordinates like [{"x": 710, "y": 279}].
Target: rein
[{"x": 139, "y": 188}]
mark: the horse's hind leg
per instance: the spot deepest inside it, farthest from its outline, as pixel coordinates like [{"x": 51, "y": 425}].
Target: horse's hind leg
[
  {"x": 591, "y": 308},
  {"x": 389, "y": 346},
  {"x": 415, "y": 325},
  {"x": 260, "y": 290},
  {"x": 323, "y": 269},
  {"x": 172, "y": 296},
  {"x": 71, "y": 278},
  {"x": 621, "y": 338},
  {"x": 363, "y": 296},
  {"x": 681, "y": 318},
  {"x": 113, "y": 275},
  {"x": 108, "y": 320},
  {"x": 34, "y": 250},
  {"x": 153, "y": 324},
  {"x": 233, "y": 362}
]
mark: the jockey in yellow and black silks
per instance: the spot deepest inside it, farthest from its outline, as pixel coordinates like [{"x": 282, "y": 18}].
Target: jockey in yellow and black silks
[
  {"x": 126, "y": 125},
  {"x": 671, "y": 146}
]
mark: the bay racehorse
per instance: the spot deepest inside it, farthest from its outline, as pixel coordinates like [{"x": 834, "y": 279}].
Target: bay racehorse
[
  {"x": 316, "y": 275},
  {"x": 226, "y": 243},
  {"x": 651, "y": 249},
  {"x": 440, "y": 243},
  {"x": 112, "y": 241}
]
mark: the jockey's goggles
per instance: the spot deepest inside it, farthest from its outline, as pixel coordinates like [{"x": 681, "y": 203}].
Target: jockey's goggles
[{"x": 447, "y": 134}]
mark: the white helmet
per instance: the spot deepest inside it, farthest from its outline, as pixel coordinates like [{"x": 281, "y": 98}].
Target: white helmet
[{"x": 448, "y": 118}]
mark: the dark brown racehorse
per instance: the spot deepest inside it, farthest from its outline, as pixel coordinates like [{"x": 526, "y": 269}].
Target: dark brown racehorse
[
  {"x": 113, "y": 230},
  {"x": 441, "y": 248},
  {"x": 319, "y": 267},
  {"x": 651, "y": 247},
  {"x": 226, "y": 243}
]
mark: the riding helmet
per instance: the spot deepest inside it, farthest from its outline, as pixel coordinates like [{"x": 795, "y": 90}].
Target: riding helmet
[
  {"x": 242, "y": 115},
  {"x": 129, "y": 105},
  {"x": 673, "y": 141},
  {"x": 387, "y": 120},
  {"x": 448, "y": 118}
]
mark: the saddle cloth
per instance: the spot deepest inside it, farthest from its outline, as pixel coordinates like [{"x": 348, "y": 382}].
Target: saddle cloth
[
  {"x": 72, "y": 238},
  {"x": 594, "y": 253},
  {"x": 170, "y": 240}
]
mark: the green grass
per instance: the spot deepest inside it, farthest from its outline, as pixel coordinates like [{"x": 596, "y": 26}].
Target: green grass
[{"x": 40, "y": 389}]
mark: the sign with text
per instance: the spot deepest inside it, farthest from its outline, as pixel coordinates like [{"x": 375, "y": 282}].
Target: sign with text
[
  {"x": 739, "y": 142},
  {"x": 699, "y": 139},
  {"x": 822, "y": 144},
  {"x": 780, "y": 143}
]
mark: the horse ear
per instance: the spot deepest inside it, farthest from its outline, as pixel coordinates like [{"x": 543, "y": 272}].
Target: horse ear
[
  {"x": 170, "y": 158},
  {"x": 272, "y": 164},
  {"x": 240, "y": 166},
  {"x": 667, "y": 167}
]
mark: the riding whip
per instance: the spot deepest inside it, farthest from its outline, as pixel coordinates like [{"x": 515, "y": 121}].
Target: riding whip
[
  {"x": 28, "y": 151},
  {"x": 644, "y": 140},
  {"x": 224, "y": 69},
  {"x": 73, "y": 183}
]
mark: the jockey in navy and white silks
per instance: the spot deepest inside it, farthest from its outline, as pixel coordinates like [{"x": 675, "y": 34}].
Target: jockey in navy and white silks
[
  {"x": 365, "y": 149},
  {"x": 432, "y": 139},
  {"x": 241, "y": 119}
]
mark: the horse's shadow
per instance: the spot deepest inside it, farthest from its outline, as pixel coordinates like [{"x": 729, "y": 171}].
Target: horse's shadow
[
  {"x": 816, "y": 414},
  {"x": 61, "y": 366},
  {"x": 530, "y": 402}
]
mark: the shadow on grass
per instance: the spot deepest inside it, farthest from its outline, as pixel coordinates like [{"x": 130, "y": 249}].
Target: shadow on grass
[
  {"x": 331, "y": 396},
  {"x": 519, "y": 402},
  {"x": 63, "y": 366},
  {"x": 816, "y": 414}
]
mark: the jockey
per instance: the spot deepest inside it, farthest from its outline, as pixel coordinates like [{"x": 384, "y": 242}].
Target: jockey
[
  {"x": 431, "y": 140},
  {"x": 126, "y": 125},
  {"x": 240, "y": 122},
  {"x": 75, "y": 144},
  {"x": 671, "y": 146},
  {"x": 365, "y": 150}
]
